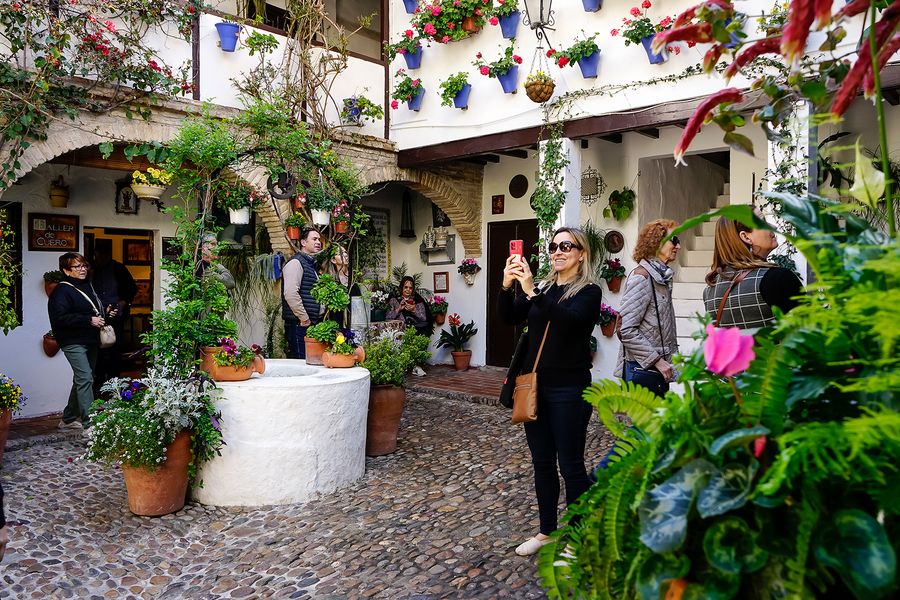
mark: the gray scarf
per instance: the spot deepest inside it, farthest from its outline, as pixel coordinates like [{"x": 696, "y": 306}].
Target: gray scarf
[{"x": 664, "y": 270}]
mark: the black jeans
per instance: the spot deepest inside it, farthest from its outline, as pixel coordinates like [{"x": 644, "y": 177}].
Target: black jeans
[
  {"x": 558, "y": 434},
  {"x": 293, "y": 335}
]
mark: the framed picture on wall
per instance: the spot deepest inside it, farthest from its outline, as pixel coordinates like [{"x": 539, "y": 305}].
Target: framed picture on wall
[
  {"x": 127, "y": 202},
  {"x": 497, "y": 204},
  {"x": 136, "y": 252},
  {"x": 144, "y": 295},
  {"x": 438, "y": 217},
  {"x": 52, "y": 233},
  {"x": 442, "y": 282}
]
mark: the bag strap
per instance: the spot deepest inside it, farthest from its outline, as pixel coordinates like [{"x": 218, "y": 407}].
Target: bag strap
[
  {"x": 86, "y": 297},
  {"x": 734, "y": 282},
  {"x": 541, "y": 348}
]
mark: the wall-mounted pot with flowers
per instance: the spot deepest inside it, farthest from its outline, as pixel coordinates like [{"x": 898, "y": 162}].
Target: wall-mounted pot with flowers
[
  {"x": 640, "y": 29},
  {"x": 151, "y": 184},
  {"x": 341, "y": 215},
  {"x": 438, "y": 306},
  {"x": 229, "y": 32},
  {"x": 450, "y": 20},
  {"x": 238, "y": 199},
  {"x": 613, "y": 272},
  {"x": 621, "y": 204},
  {"x": 585, "y": 52},
  {"x": 539, "y": 86},
  {"x": 293, "y": 224},
  {"x": 607, "y": 319},
  {"x": 344, "y": 352},
  {"x": 505, "y": 69},
  {"x": 468, "y": 268},
  {"x": 507, "y": 15},
  {"x": 358, "y": 108},
  {"x": 410, "y": 46},
  {"x": 456, "y": 339},
  {"x": 407, "y": 89},
  {"x": 455, "y": 91}
]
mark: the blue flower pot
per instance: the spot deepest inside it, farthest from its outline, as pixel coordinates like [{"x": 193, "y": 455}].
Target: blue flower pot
[
  {"x": 589, "y": 64},
  {"x": 410, "y": 5},
  {"x": 735, "y": 40},
  {"x": 461, "y": 100},
  {"x": 655, "y": 58},
  {"x": 509, "y": 79},
  {"x": 413, "y": 59},
  {"x": 228, "y": 35},
  {"x": 592, "y": 5},
  {"x": 509, "y": 24},
  {"x": 416, "y": 102}
]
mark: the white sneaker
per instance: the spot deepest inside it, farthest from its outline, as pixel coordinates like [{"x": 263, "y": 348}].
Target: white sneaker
[
  {"x": 73, "y": 425},
  {"x": 531, "y": 546},
  {"x": 418, "y": 371}
]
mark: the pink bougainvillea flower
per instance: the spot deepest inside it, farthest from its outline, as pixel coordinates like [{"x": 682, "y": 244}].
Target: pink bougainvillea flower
[
  {"x": 485, "y": 70},
  {"x": 766, "y": 46},
  {"x": 726, "y": 351},
  {"x": 701, "y": 33},
  {"x": 635, "y": 12},
  {"x": 494, "y": 21},
  {"x": 796, "y": 30},
  {"x": 395, "y": 105},
  {"x": 726, "y": 96}
]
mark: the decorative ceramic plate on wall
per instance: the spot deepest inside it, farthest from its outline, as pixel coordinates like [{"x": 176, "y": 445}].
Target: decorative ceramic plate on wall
[{"x": 614, "y": 242}]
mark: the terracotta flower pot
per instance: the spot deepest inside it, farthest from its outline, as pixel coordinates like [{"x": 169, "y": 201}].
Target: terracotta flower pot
[
  {"x": 383, "y": 422},
  {"x": 230, "y": 373},
  {"x": 461, "y": 359},
  {"x": 615, "y": 284},
  {"x": 293, "y": 233},
  {"x": 439, "y": 318},
  {"x": 49, "y": 286},
  {"x": 160, "y": 492},
  {"x": 341, "y": 227},
  {"x": 360, "y": 354},
  {"x": 469, "y": 25},
  {"x": 314, "y": 351},
  {"x": 50, "y": 345},
  {"x": 5, "y": 420},
  {"x": 259, "y": 364},
  {"x": 608, "y": 329},
  {"x": 338, "y": 361},
  {"x": 207, "y": 362}
]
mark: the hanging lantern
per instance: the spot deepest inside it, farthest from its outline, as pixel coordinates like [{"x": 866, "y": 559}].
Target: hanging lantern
[{"x": 407, "y": 229}]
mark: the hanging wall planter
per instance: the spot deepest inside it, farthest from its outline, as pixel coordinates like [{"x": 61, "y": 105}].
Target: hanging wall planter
[
  {"x": 509, "y": 24},
  {"x": 592, "y": 5},
  {"x": 655, "y": 58},
  {"x": 413, "y": 59},
  {"x": 589, "y": 65},
  {"x": 508, "y": 80},
  {"x": 410, "y": 6},
  {"x": 415, "y": 103},
  {"x": 59, "y": 193},
  {"x": 239, "y": 216},
  {"x": 461, "y": 99},
  {"x": 321, "y": 217},
  {"x": 293, "y": 233},
  {"x": 147, "y": 192},
  {"x": 228, "y": 35}
]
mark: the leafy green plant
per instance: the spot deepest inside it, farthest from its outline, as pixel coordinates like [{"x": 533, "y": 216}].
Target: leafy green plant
[
  {"x": 575, "y": 52},
  {"x": 405, "y": 88},
  {"x": 621, "y": 204},
  {"x": 458, "y": 335},
  {"x": 295, "y": 220},
  {"x": 504, "y": 8},
  {"x": 451, "y": 86},
  {"x": 501, "y": 66},
  {"x": 9, "y": 274},
  {"x": 54, "y": 276},
  {"x": 324, "y": 331},
  {"x": 390, "y": 356},
  {"x": 330, "y": 294},
  {"x": 11, "y": 395},
  {"x": 641, "y": 26},
  {"x": 356, "y": 108},
  {"x": 319, "y": 197},
  {"x": 410, "y": 43},
  {"x": 237, "y": 195}
]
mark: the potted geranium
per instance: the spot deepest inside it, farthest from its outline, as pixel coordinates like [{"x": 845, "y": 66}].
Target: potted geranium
[
  {"x": 294, "y": 223},
  {"x": 407, "y": 89},
  {"x": 230, "y": 362},
  {"x": 585, "y": 52},
  {"x": 379, "y": 303},
  {"x": 457, "y": 338},
  {"x": 159, "y": 429},
  {"x": 621, "y": 204},
  {"x": 389, "y": 358},
  {"x": 607, "y": 319},
  {"x": 468, "y": 268},
  {"x": 238, "y": 199},
  {"x": 539, "y": 86},
  {"x": 505, "y": 69},
  {"x": 151, "y": 184},
  {"x": 506, "y": 15},
  {"x": 11, "y": 400},
  {"x": 358, "y": 108},
  {"x": 450, "y": 20},
  {"x": 455, "y": 91},
  {"x": 613, "y": 272},
  {"x": 341, "y": 215},
  {"x": 51, "y": 280},
  {"x": 640, "y": 29},
  {"x": 410, "y": 46},
  {"x": 439, "y": 307},
  {"x": 344, "y": 352}
]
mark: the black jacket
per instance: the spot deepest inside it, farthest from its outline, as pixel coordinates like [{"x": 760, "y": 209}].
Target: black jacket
[
  {"x": 70, "y": 313},
  {"x": 566, "y": 358}
]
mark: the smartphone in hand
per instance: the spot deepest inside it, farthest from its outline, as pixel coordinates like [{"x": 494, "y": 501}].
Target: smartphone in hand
[{"x": 515, "y": 248}]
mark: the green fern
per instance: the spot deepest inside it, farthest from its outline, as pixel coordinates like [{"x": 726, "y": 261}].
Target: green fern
[
  {"x": 620, "y": 497},
  {"x": 795, "y": 566},
  {"x": 770, "y": 376},
  {"x": 643, "y": 406}
]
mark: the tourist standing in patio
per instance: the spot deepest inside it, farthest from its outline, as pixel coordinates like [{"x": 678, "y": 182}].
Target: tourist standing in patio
[
  {"x": 740, "y": 274},
  {"x": 566, "y": 305},
  {"x": 76, "y": 316},
  {"x": 410, "y": 307},
  {"x": 208, "y": 267},
  {"x": 298, "y": 308},
  {"x": 116, "y": 287},
  {"x": 648, "y": 317}
]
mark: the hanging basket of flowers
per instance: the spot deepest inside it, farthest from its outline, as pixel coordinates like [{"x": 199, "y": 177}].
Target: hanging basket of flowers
[
  {"x": 539, "y": 87},
  {"x": 150, "y": 185}
]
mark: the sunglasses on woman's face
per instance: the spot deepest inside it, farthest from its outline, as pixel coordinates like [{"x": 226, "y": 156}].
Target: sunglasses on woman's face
[
  {"x": 562, "y": 246},
  {"x": 675, "y": 241}
]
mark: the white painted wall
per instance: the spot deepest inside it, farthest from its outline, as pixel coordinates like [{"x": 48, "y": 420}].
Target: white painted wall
[{"x": 46, "y": 381}]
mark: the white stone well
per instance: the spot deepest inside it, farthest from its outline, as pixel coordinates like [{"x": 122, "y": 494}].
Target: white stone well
[{"x": 294, "y": 432}]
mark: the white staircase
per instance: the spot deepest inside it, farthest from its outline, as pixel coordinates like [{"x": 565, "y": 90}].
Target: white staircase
[{"x": 694, "y": 260}]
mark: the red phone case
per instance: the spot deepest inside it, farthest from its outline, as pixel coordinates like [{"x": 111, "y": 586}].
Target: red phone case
[{"x": 515, "y": 247}]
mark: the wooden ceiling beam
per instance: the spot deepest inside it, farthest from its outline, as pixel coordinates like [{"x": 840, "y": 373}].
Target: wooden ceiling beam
[
  {"x": 91, "y": 157},
  {"x": 612, "y": 138},
  {"x": 517, "y": 153},
  {"x": 650, "y": 132}
]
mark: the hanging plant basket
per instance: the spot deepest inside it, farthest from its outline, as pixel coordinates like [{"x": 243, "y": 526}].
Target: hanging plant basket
[
  {"x": 321, "y": 217},
  {"x": 539, "y": 91},
  {"x": 147, "y": 192}
]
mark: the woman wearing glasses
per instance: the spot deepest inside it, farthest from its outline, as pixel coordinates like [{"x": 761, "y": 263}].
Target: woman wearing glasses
[
  {"x": 76, "y": 316},
  {"x": 740, "y": 274},
  {"x": 648, "y": 316},
  {"x": 570, "y": 303}
]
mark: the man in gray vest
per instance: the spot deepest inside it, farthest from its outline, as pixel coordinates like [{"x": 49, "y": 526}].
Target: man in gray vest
[{"x": 298, "y": 308}]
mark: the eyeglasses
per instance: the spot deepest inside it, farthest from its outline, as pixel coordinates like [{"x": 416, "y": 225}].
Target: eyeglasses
[
  {"x": 562, "y": 246},
  {"x": 78, "y": 267},
  {"x": 675, "y": 241}
]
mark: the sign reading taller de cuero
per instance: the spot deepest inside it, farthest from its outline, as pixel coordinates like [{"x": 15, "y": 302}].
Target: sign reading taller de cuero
[{"x": 52, "y": 233}]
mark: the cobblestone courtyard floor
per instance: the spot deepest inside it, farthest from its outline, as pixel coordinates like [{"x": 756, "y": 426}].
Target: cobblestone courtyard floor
[{"x": 437, "y": 519}]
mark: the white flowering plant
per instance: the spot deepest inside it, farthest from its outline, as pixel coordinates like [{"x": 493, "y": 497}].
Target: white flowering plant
[
  {"x": 380, "y": 300},
  {"x": 135, "y": 419}
]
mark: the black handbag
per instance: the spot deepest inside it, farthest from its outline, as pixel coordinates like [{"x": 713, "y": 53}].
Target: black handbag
[
  {"x": 650, "y": 378},
  {"x": 515, "y": 367}
]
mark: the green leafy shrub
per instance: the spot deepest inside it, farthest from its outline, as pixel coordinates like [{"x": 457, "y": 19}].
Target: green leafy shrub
[
  {"x": 325, "y": 332},
  {"x": 390, "y": 356},
  {"x": 331, "y": 294}
]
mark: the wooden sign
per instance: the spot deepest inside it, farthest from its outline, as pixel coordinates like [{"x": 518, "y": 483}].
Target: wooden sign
[{"x": 52, "y": 233}]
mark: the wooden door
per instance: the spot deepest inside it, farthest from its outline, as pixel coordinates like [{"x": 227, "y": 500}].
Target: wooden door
[{"x": 501, "y": 338}]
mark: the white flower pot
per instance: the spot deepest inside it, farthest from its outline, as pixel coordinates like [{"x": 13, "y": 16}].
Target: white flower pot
[
  {"x": 239, "y": 216},
  {"x": 470, "y": 278},
  {"x": 148, "y": 192},
  {"x": 321, "y": 217}
]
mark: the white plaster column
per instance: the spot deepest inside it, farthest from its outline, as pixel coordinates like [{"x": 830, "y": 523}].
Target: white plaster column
[{"x": 570, "y": 214}]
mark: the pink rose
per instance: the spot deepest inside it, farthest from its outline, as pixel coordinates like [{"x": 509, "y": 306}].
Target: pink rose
[
  {"x": 485, "y": 70},
  {"x": 726, "y": 351},
  {"x": 494, "y": 21},
  {"x": 409, "y": 33},
  {"x": 646, "y": 4},
  {"x": 635, "y": 12}
]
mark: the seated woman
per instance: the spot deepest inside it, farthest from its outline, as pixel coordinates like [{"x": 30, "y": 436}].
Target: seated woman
[{"x": 411, "y": 308}]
